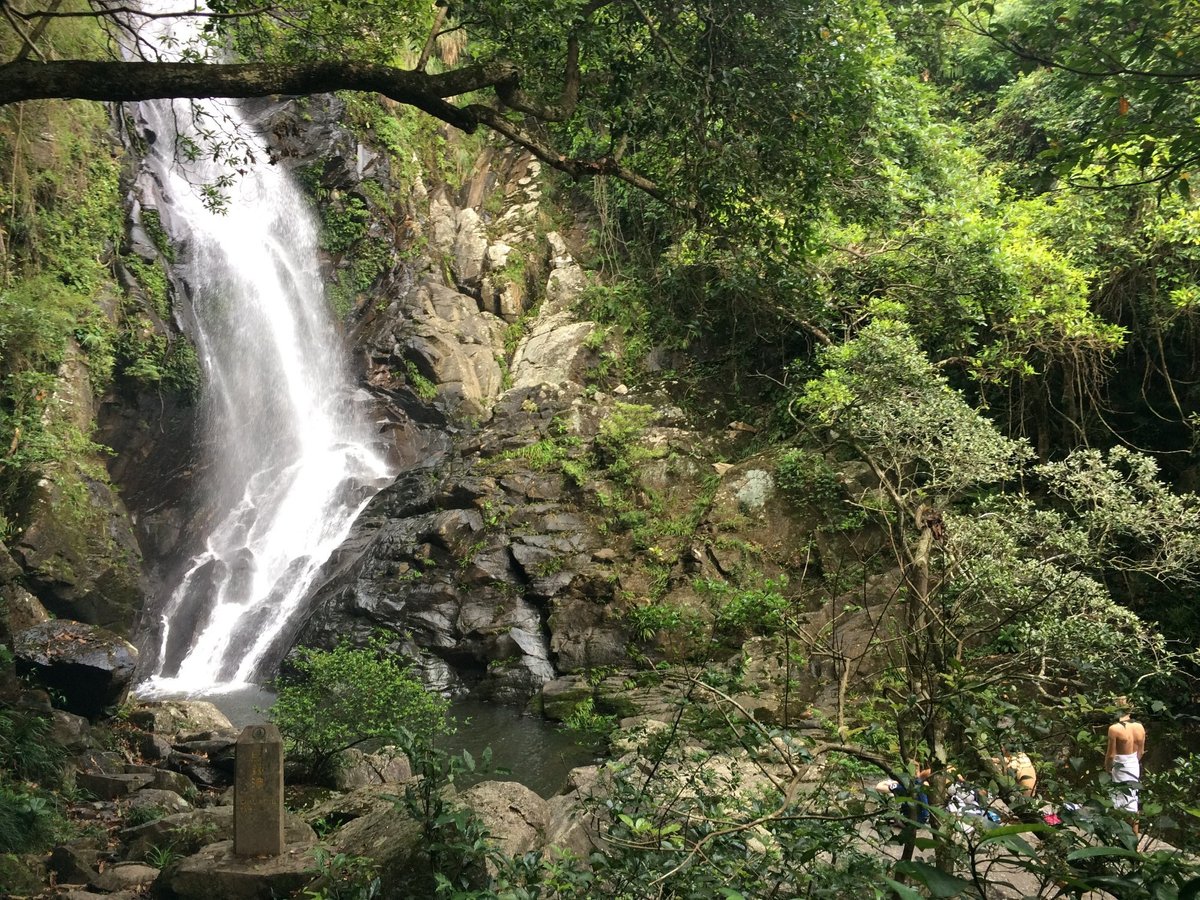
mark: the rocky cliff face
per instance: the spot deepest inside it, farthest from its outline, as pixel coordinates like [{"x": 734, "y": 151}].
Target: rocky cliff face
[
  {"x": 473, "y": 552},
  {"x": 548, "y": 519},
  {"x": 543, "y": 502}
]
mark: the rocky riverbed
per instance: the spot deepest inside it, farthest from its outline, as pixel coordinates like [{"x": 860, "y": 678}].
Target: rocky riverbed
[{"x": 151, "y": 799}]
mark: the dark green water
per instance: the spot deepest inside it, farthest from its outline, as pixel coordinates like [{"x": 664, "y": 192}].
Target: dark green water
[
  {"x": 535, "y": 752},
  {"x": 528, "y": 749}
]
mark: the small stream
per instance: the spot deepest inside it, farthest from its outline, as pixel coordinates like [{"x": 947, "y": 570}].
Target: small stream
[{"x": 529, "y": 749}]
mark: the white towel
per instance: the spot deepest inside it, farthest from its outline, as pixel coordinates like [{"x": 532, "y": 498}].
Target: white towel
[{"x": 1126, "y": 769}]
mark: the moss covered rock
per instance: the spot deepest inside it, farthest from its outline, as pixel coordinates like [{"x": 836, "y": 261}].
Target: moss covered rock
[{"x": 80, "y": 556}]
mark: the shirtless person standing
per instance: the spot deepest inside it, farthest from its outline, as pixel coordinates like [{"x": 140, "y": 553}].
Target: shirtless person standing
[{"x": 1126, "y": 744}]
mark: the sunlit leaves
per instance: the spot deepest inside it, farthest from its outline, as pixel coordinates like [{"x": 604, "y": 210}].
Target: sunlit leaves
[
  {"x": 383, "y": 31},
  {"x": 341, "y": 697},
  {"x": 1134, "y": 65},
  {"x": 1022, "y": 550},
  {"x": 1134, "y": 519},
  {"x": 881, "y": 393}
]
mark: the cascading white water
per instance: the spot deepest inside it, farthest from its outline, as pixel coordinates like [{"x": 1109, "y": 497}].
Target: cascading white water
[{"x": 290, "y": 457}]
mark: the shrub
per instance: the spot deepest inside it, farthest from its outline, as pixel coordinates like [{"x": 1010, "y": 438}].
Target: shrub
[
  {"x": 619, "y": 446},
  {"x": 28, "y": 820},
  {"x": 340, "y": 876},
  {"x": 806, "y": 477},
  {"x": 25, "y": 751},
  {"x": 742, "y": 611},
  {"x": 140, "y": 815},
  {"x": 585, "y": 721},
  {"x": 336, "y": 699},
  {"x": 422, "y": 386}
]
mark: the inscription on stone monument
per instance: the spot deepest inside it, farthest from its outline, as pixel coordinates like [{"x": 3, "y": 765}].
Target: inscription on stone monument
[{"x": 258, "y": 792}]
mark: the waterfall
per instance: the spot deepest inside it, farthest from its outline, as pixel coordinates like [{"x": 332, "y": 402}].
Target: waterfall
[{"x": 290, "y": 457}]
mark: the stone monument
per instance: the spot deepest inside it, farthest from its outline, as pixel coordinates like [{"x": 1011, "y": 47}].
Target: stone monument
[{"x": 258, "y": 792}]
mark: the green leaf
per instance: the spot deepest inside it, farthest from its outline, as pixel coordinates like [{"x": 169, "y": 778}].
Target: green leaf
[
  {"x": 940, "y": 884},
  {"x": 1005, "y": 830},
  {"x": 1093, "y": 852},
  {"x": 903, "y": 891},
  {"x": 1017, "y": 845}
]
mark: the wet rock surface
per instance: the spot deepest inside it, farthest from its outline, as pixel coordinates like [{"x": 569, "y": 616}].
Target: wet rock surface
[
  {"x": 89, "y": 666},
  {"x": 474, "y": 566},
  {"x": 178, "y": 719},
  {"x": 500, "y": 559}
]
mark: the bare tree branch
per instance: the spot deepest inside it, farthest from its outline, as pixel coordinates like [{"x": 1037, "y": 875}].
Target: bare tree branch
[
  {"x": 114, "y": 11},
  {"x": 38, "y": 30},
  {"x": 431, "y": 41},
  {"x": 27, "y": 42}
]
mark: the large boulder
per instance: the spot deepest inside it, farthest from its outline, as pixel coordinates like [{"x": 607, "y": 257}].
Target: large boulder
[
  {"x": 470, "y": 245},
  {"x": 90, "y": 667},
  {"x": 339, "y": 808},
  {"x": 130, "y": 876},
  {"x": 515, "y": 817},
  {"x": 107, "y": 786},
  {"x": 571, "y": 828},
  {"x": 585, "y": 634},
  {"x": 179, "y": 719},
  {"x": 73, "y": 864},
  {"x": 449, "y": 585},
  {"x": 81, "y": 556},
  {"x": 454, "y": 345},
  {"x": 386, "y": 836},
  {"x": 161, "y": 802},
  {"x": 567, "y": 280},
  {"x": 554, "y": 353},
  {"x": 442, "y": 229},
  {"x": 23, "y": 610},
  {"x": 69, "y": 730},
  {"x": 356, "y": 769},
  {"x": 561, "y": 696}
]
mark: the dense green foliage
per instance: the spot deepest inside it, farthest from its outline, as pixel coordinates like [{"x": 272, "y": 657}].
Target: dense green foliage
[
  {"x": 29, "y": 764},
  {"x": 997, "y": 586},
  {"x": 1134, "y": 62},
  {"x": 64, "y": 324},
  {"x": 64, "y": 217},
  {"x": 952, "y": 244},
  {"x": 337, "y": 699}
]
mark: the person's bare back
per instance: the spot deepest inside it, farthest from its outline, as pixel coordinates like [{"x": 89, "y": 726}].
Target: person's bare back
[{"x": 1125, "y": 737}]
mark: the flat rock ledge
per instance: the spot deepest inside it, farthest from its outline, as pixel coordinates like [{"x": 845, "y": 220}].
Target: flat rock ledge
[{"x": 216, "y": 872}]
